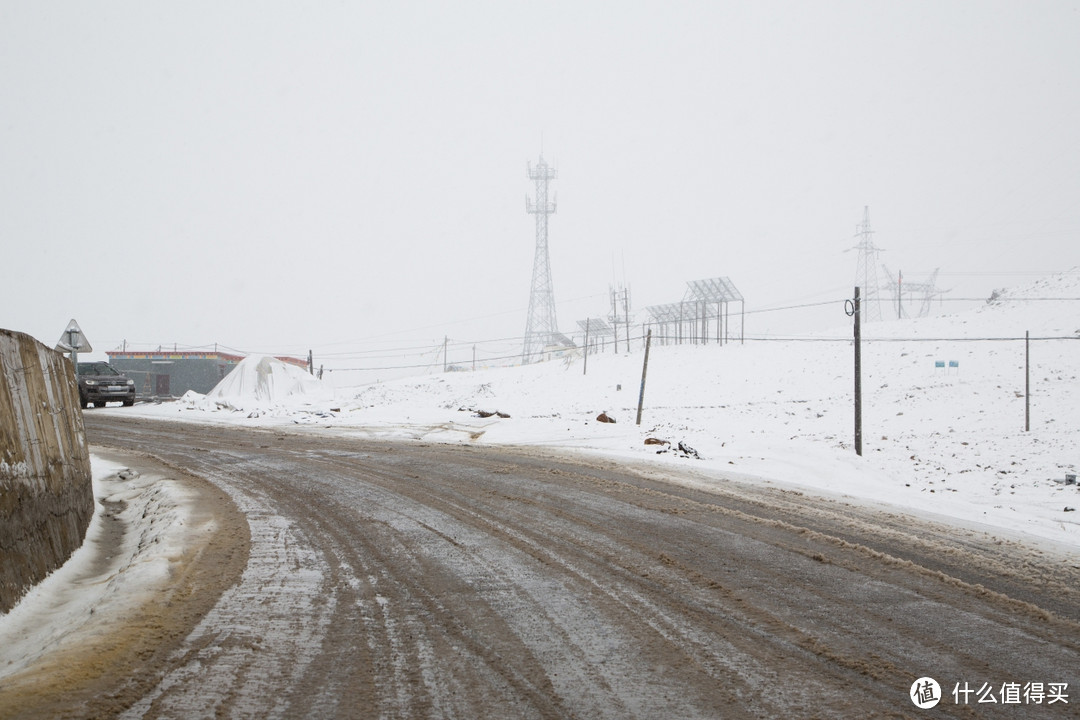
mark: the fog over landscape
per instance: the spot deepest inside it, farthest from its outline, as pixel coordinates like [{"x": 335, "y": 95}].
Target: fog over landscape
[
  {"x": 825, "y": 467},
  {"x": 350, "y": 177}
]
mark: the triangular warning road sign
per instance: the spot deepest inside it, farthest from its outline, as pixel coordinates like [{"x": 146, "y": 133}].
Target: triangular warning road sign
[{"x": 73, "y": 338}]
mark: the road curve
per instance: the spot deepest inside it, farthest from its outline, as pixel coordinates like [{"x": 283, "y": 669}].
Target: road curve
[{"x": 414, "y": 580}]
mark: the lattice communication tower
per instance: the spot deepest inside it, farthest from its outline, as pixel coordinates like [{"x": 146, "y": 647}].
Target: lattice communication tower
[{"x": 542, "y": 329}]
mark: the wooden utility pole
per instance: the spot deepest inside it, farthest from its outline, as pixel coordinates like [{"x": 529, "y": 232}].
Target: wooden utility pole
[
  {"x": 858, "y": 374},
  {"x": 585, "y": 369},
  {"x": 1027, "y": 381},
  {"x": 851, "y": 307},
  {"x": 900, "y": 295},
  {"x": 644, "y": 371}
]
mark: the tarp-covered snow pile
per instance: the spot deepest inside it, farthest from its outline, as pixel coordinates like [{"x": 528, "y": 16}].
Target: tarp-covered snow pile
[{"x": 260, "y": 383}]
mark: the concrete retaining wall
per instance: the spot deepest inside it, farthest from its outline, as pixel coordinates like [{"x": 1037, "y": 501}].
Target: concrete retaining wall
[{"x": 46, "y": 496}]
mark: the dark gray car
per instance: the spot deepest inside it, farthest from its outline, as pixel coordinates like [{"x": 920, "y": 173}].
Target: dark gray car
[{"x": 100, "y": 382}]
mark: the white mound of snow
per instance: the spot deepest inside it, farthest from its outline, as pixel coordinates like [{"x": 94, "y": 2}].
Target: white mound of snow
[{"x": 264, "y": 381}]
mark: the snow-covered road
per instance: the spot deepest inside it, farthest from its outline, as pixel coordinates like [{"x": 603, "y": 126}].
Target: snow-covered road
[{"x": 427, "y": 580}]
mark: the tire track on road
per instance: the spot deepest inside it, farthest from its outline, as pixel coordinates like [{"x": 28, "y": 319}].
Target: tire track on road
[{"x": 458, "y": 581}]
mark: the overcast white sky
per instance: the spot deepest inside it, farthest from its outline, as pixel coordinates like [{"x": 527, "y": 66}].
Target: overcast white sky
[{"x": 278, "y": 176}]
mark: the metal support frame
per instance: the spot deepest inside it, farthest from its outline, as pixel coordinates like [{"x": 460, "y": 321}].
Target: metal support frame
[
  {"x": 705, "y": 302},
  {"x": 906, "y": 291},
  {"x": 596, "y": 332}
]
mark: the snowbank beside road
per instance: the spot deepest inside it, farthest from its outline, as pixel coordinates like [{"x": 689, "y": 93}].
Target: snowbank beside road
[
  {"x": 90, "y": 639},
  {"x": 140, "y": 525}
]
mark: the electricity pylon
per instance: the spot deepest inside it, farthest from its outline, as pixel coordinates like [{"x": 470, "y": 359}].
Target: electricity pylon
[{"x": 866, "y": 272}]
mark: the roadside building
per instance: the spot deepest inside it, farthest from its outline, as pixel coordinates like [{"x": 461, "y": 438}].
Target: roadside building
[{"x": 167, "y": 373}]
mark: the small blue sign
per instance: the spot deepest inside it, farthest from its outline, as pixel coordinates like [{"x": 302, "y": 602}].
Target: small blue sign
[
  {"x": 954, "y": 363},
  {"x": 939, "y": 363}
]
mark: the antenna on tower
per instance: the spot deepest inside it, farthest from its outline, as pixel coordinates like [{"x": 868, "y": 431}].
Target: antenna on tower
[
  {"x": 542, "y": 329},
  {"x": 866, "y": 271}
]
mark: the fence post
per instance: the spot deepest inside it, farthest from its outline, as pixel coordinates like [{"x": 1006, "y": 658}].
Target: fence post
[
  {"x": 644, "y": 370},
  {"x": 1027, "y": 381}
]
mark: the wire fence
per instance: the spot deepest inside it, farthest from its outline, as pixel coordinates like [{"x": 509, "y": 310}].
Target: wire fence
[
  {"x": 380, "y": 362},
  {"x": 455, "y": 355}
]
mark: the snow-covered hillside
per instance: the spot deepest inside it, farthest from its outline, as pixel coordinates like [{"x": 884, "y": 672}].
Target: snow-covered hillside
[{"x": 943, "y": 416}]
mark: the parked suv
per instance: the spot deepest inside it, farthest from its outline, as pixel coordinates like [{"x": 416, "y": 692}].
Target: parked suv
[{"x": 100, "y": 382}]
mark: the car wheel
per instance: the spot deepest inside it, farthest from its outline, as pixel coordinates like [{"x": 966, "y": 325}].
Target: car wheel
[
  {"x": 99, "y": 403},
  {"x": 129, "y": 403}
]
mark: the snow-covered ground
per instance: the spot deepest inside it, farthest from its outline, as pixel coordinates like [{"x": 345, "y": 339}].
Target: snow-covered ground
[
  {"x": 940, "y": 441},
  {"x": 943, "y": 413}
]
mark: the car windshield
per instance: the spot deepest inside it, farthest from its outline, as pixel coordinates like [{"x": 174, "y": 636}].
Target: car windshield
[{"x": 97, "y": 368}]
